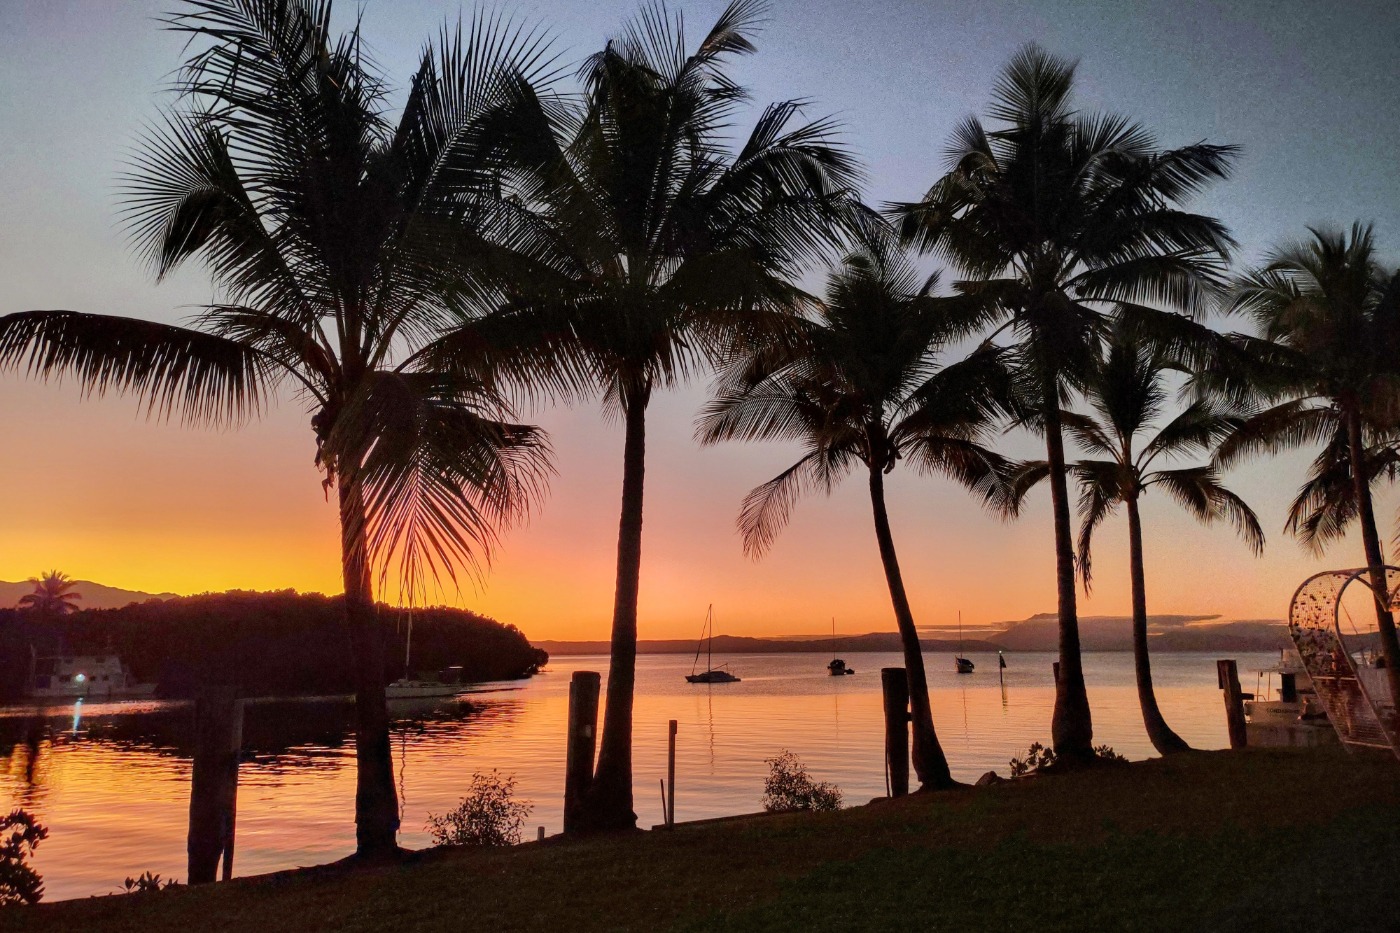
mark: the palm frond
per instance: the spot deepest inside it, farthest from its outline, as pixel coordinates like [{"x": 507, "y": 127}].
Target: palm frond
[{"x": 201, "y": 377}]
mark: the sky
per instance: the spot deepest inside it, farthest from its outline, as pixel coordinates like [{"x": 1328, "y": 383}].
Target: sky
[{"x": 92, "y": 488}]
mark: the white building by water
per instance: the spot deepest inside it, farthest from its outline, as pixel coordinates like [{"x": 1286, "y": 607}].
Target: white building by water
[{"x": 74, "y": 676}]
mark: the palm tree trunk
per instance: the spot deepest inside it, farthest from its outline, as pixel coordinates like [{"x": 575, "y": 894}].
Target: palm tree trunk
[
  {"x": 930, "y": 764},
  {"x": 1375, "y": 559},
  {"x": 1158, "y": 732},
  {"x": 608, "y": 803},
  {"x": 1071, "y": 725},
  {"x": 376, "y": 800}
]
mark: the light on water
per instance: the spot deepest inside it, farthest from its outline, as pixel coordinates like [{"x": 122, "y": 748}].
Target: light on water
[{"x": 114, "y": 788}]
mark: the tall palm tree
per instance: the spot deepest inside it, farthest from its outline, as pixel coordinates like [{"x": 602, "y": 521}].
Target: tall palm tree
[
  {"x": 1128, "y": 394},
  {"x": 54, "y": 595},
  {"x": 339, "y": 240},
  {"x": 1061, "y": 220},
  {"x": 862, "y": 384},
  {"x": 1330, "y": 317},
  {"x": 655, "y": 247}
]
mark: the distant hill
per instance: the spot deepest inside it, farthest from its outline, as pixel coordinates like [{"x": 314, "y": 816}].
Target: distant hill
[
  {"x": 269, "y": 644},
  {"x": 1165, "y": 633},
  {"x": 740, "y": 644},
  {"x": 1038, "y": 633},
  {"x": 95, "y": 595}
]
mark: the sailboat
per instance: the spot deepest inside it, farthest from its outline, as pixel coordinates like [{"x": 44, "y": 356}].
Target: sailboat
[
  {"x": 963, "y": 665},
  {"x": 710, "y": 676},
  {"x": 407, "y": 688},
  {"x": 837, "y": 667}
]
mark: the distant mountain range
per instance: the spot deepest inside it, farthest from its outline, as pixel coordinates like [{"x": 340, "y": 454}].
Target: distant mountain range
[
  {"x": 1038, "y": 633},
  {"x": 95, "y": 595}
]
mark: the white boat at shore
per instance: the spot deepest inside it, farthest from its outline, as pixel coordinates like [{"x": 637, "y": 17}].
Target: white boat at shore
[
  {"x": 1289, "y": 714},
  {"x": 405, "y": 689}
]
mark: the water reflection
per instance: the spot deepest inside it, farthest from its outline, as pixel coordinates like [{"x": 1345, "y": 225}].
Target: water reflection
[{"x": 112, "y": 780}]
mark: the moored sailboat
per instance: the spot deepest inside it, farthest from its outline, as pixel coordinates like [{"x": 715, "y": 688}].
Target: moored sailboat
[
  {"x": 712, "y": 675},
  {"x": 837, "y": 667},
  {"x": 963, "y": 665}
]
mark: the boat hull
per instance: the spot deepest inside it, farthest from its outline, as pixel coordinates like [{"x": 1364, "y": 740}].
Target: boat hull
[
  {"x": 712, "y": 677},
  {"x": 420, "y": 690}
]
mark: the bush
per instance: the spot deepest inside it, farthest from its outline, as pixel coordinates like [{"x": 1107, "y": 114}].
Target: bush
[
  {"x": 789, "y": 787},
  {"x": 20, "y": 835},
  {"x": 1038, "y": 758},
  {"x": 148, "y": 882},
  {"x": 489, "y": 815}
]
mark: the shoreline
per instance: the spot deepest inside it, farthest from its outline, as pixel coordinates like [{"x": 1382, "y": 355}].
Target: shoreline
[{"x": 1168, "y": 843}]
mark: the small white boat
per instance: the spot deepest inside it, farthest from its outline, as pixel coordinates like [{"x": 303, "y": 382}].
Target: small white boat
[
  {"x": 405, "y": 689},
  {"x": 408, "y": 687},
  {"x": 1292, "y": 714}
]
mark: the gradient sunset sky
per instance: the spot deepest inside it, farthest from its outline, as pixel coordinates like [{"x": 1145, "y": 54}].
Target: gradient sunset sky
[{"x": 1308, "y": 90}]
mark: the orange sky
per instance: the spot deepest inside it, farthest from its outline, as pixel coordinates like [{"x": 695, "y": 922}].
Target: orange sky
[{"x": 105, "y": 495}]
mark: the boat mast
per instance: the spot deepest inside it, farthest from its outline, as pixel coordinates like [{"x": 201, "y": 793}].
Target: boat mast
[
  {"x": 408, "y": 647},
  {"x": 710, "y": 645}
]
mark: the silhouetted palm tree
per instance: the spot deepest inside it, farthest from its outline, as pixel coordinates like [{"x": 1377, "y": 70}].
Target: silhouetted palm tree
[
  {"x": 655, "y": 248},
  {"x": 1128, "y": 394},
  {"x": 54, "y": 595},
  {"x": 861, "y": 383},
  {"x": 1330, "y": 316},
  {"x": 340, "y": 241},
  {"x": 1061, "y": 220}
]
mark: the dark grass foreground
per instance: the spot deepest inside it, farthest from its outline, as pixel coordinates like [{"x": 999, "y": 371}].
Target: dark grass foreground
[{"x": 1258, "y": 840}]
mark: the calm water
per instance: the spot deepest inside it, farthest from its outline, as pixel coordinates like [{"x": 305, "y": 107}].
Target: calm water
[{"x": 112, "y": 781}]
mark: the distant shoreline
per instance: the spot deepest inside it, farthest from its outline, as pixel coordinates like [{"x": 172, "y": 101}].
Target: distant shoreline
[{"x": 1252, "y": 636}]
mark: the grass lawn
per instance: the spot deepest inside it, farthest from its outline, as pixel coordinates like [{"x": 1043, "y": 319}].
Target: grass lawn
[{"x": 1297, "y": 840}]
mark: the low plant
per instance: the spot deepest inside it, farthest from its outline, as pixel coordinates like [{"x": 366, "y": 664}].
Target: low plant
[
  {"x": 489, "y": 815},
  {"x": 20, "y": 835},
  {"x": 1038, "y": 758},
  {"x": 148, "y": 882},
  {"x": 789, "y": 787}
]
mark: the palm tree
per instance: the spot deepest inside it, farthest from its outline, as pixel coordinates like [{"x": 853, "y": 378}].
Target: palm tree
[
  {"x": 339, "y": 240},
  {"x": 53, "y": 595},
  {"x": 654, "y": 248},
  {"x": 862, "y": 384},
  {"x": 1128, "y": 394},
  {"x": 1330, "y": 318},
  {"x": 1061, "y": 220}
]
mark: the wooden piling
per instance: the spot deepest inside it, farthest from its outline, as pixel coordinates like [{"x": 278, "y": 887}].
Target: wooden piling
[
  {"x": 218, "y": 730},
  {"x": 671, "y": 774},
  {"x": 582, "y": 742},
  {"x": 894, "y": 684},
  {"x": 1229, "y": 678}
]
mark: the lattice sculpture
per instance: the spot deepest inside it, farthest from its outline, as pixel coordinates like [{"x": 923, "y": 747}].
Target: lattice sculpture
[{"x": 1314, "y": 622}]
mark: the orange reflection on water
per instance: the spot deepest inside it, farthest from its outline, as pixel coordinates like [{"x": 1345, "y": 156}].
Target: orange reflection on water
[{"x": 116, "y": 794}]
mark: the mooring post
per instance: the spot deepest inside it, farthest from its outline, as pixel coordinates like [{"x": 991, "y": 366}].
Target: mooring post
[
  {"x": 582, "y": 741},
  {"x": 671, "y": 774},
  {"x": 540, "y": 837},
  {"x": 894, "y": 683},
  {"x": 218, "y": 734},
  {"x": 1229, "y": 677}
]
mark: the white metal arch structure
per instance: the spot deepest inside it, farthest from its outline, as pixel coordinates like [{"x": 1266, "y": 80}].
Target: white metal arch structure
[{"x": 1314, "y": 623}]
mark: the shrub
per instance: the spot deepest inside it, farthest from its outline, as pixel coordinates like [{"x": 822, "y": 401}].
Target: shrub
[
  {"x": 489, "y": 815},
  {"x": 789, "y": 787},
  {"x": 148, "y": 882},
  {"x": 20, "y": 835},
  {"x": 1038, "y": 758}
]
